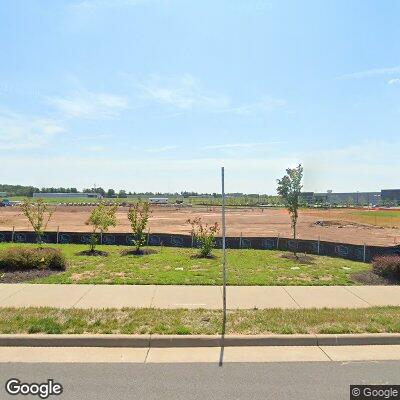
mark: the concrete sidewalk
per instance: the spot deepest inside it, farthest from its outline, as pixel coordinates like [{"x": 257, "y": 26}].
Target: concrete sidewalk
[
  {"x": 198, "y": 355},
  {"x": 208, "y": 297}
]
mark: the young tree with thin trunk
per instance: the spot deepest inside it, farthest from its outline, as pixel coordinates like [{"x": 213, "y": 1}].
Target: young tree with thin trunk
[
  {"x": 101, "y": 219},
  {"x": 138, "y": 216},
  {"x": 38, "y": 214},
  {"x": 289, "y": 188}
]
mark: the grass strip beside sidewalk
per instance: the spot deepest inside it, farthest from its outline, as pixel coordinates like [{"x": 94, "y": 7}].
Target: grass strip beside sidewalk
[{"x": 187, "y": 322}]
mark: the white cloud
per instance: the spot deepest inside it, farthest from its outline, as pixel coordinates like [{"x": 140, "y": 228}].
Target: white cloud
[
  {"x": 238, "y": 145},
  {"x": 162, "y": 149},
  {"x": 18, "y": 131},
  {"x": 394, "y": 81},
  {"x": 186, "y": 94},
  {"x": 90, "y": 105},
  {"x": 248, "y": 174},
  {"x": 264, "y": 105},
  {"x": 371, "y": 72},
  {"x": 92, "y": 137},
  {"x": 183, "y": 93}
]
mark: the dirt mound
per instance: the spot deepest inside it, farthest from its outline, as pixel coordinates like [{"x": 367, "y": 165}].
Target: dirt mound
[{"x": 343, "y": 224}]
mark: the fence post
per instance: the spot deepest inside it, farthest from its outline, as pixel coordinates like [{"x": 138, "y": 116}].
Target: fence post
[
  {"x": 148, "y": 237},
  {"x": 13, "y": 234},
  {"x": 365, "y": 253},
  {"x": 277, "y": 242},
  {"x": 101, "y": 237},
  {"x": 240, "y": 240},
  {"x": 192, "y": 239},
  {"x": 319, "y": 239},
  {"x": 58, "y": 234}
]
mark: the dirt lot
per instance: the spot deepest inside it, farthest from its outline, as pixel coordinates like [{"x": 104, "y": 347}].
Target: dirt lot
[{"x": 336, "y": 225}]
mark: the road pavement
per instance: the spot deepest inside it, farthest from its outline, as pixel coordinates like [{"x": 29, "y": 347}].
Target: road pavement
[{"x": 194, "y": 381}]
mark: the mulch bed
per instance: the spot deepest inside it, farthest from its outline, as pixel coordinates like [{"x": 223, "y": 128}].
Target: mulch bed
[
  {"x": 300, "y": 258},
  {"x": 25, "y": 276},
  {"x": 142, "y": 252},
  {"x": 95, "y": 253},
  {"x": 369, "y": 278},
  {"x": 198, "y": 256}
]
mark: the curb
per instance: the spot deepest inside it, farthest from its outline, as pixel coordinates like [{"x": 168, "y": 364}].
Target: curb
[{"x": 165, "y": 341}]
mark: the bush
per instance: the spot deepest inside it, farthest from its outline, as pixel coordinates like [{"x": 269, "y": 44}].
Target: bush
[
  {"x": 27, "y": 258},
  {"x": 204, "y": 235},
  {"x": 387, "y": 266}
]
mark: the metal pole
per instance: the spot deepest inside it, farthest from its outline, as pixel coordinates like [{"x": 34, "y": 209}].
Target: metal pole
[
  {"x": 58, "y": 234},
  {"x": 13, "y": 234},
  {"x": 365, "y": 252},
  {"x": 223, "y": 248}
]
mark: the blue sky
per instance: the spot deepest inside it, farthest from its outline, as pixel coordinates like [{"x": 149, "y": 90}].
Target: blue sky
[{"x": 158, "y": 94}]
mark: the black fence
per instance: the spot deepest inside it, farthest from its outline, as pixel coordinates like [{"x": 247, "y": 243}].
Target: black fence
[{"x": 332, "y": 249}]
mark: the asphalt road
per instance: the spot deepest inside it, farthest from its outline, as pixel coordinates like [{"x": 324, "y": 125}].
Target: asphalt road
[{"x": 291, "y": 380}]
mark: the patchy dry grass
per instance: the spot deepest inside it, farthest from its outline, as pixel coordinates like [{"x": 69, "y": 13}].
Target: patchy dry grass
[{"x": 187, "y": 322}]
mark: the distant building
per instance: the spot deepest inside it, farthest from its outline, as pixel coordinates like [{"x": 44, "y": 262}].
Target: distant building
[
  {"x": 158, "y": 200},
  {"x": 307, "y": 197},
  {"x": 348, "y": 198},
  {"x": 68, "y": 195},
  {"x": 390, "y": 195}
]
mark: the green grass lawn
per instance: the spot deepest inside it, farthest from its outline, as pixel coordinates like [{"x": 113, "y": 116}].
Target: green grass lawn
[
  {"x": 389, "y": 218},
  {"x": 177, "y": 266},
  {"x": 379, "y": 213},
  {"x": 189, "y": 322}
]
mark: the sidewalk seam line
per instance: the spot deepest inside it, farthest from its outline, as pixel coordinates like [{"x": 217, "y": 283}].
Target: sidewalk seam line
[
  {"x": 12, "y": 294},
  {"x": 84, "y": 294},
  {"x": 329, "y": 358},
  {"x": 148, "y": 348},
  {"x": 354, "y": 294},
  {"x": 152, "y": 297},
  {"x": 298, "y": 305}
]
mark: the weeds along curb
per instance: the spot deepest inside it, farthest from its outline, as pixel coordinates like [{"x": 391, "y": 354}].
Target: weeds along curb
[{"x": 171, "y": 341}]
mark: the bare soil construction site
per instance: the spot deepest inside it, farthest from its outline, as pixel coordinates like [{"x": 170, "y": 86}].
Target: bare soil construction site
[{"x": 336, "y": 225}]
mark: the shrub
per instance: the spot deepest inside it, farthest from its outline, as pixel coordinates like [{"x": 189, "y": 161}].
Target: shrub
[
  {"x": 138, "y": 216},
  {"x": 27, "y": 258},
  {"x": 101, "y": 219},
  {"x": 38, "y": 214},
  {"x": 387, "y": 266},
  {"x": 204, "y": 235}
]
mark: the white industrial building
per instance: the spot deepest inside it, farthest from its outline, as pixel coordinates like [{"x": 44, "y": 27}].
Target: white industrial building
[{"x": 67, "y": 195}]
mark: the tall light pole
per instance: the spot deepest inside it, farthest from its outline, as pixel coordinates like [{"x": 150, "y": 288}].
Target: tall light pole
[{"x": 223, "y": 251}]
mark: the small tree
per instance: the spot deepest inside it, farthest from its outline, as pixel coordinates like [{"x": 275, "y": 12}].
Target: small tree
[
  {"x": 38, "y": 214},
  {"x": 204, "y": 235},
  {"x": 289, "y": 187},
  {"x": 138, "y": 216},
  {"x": 101, "y": 219}
]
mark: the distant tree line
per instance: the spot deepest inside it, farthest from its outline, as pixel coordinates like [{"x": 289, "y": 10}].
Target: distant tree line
[
  {"x": 27, "y": 191},
  {"x": 202, "y": 198}
]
